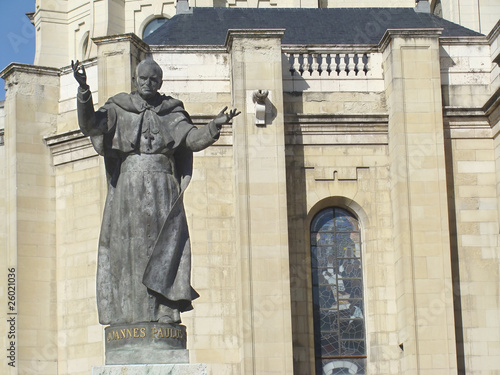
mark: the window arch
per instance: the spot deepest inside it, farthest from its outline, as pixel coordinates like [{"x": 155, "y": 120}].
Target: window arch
[
  {"x": 153, "y": 25},
  {"x": 85, "y": 46},
  {"x": 337, "y": 285}
]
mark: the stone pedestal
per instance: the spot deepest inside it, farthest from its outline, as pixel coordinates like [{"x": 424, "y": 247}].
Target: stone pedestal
[
  {"x": 146, "y": 343},
  {"x": 175, "y": 369}
]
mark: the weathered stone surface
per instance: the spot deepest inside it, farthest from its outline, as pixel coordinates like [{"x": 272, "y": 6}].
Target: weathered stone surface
[
  {"x": 142, "y": 343},
  {"x": 146, "y": 355},
  {"x": 50, "y": 209},
  {"x": 171, "y": 369}
]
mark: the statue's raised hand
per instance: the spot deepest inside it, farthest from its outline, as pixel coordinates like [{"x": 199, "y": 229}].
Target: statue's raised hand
[
  {"x": 79, "y": 74},
  {"x": 224, "y": 118}
]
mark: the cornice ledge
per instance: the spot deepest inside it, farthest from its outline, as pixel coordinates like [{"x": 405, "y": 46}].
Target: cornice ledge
[
  {"x": 326, "y": 48},
  {"x": 449, "y": 111},
  {"x": 464, "y": 40},
  {"x": 30, "y": 69},
  {"x": 495, "y": 32},
  {"x": 68, "y": 136},
  {"x": 407, "y": 33},
  {"x": 485, "y": 111},
  {"x": 70, "y": 146},
  {"x": 202, "y": 120},
  {"x": 460, "y": 122},
  {"x": 337, "y": 118},
  {"x": 188, "y": 49},
  {"x": 466, "y": 123},
  {"x": 86, "y": 63},
  {"x": 492, "y": 104},
  {"x": 129, "y": 37},
  {"x": 252, "y": 33},
  {"x": 495, "y": 130}
]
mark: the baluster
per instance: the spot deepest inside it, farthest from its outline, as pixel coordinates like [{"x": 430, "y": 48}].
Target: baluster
[
  {"x": 324, "y": 65},
  {"x": 334, "y": 66},
  {"x": 296, "y": 63},
  {"x": 314, "y": 65},
  {"x": 288, "y": 62},
  {"x": 342, "y": 65},
  {"x": 350, "y": 65},
  {"x": 305, "y": 63},
  {"x": 360, "y": 65},
  {"x": 368, "y": 70}
]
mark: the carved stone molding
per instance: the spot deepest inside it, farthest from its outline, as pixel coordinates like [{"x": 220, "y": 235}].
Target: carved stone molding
[
  {"x": 69, "y": 147},
  {"x": 336, "y": 129},
  {"x": 341, "y": 174},
  {"x": 72, "y": 145}
]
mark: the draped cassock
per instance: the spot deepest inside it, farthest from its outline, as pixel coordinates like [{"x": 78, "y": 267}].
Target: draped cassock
[{"x": 144, "y": 254}]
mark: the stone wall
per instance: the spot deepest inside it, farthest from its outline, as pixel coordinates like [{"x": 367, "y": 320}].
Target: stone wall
[
  {"x": 28, "y": 231},
  {"x": 421, "y": 178}
]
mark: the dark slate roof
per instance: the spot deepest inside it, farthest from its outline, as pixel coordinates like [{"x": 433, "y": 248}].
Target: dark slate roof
[{"x": 208, "y": 26}]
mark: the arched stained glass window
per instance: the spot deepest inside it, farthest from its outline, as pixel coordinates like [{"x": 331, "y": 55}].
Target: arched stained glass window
[{"x": 339, "y": 314}]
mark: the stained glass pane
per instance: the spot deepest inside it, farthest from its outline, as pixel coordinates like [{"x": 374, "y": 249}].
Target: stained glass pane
[
  {"x": 322, "y": 256},
  {"x": 344, "y": 221},
  {"x": 329, "y": 320},
  {"x": 323, "y": 221},
  {"x": 355, "y": 238},
  {"x": 325, "y": 238},
  {"x": 345, "y": 246},
  {"x": 322, "y": 239},
  {"x": 329, "y": 345},
  {"x": 325, "y": 297},
  {"x": 337, "y": 292},
  {"x": 342, "y": 366}
]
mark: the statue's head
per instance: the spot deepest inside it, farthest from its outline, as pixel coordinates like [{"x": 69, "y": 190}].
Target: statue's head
[{"x": 148, "y": 78}]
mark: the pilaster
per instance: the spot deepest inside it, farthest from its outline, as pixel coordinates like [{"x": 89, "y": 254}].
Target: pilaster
[
  {"x": 260, "y": 203},
  {"x": 419, "y": 201},
  {"x": 117, "y": 57},
  {"x": 31, "y": 108},
  {"x": 52, "y": 36}
]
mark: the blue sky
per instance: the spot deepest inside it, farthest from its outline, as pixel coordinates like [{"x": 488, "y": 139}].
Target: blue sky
[{"x": 17, "y": 41}]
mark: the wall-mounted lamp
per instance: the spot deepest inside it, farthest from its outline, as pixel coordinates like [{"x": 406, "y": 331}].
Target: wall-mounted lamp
[{"x": 260, "y": 98}]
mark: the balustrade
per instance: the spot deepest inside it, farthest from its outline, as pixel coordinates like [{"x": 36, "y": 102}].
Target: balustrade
[{"x": 349, "y": 65}]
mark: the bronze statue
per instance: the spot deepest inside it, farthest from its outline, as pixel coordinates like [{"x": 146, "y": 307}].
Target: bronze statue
[{"x": 147, "y": 141}]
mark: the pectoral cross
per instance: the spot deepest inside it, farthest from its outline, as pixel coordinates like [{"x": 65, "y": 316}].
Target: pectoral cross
[{"x": 149, "y": 137}]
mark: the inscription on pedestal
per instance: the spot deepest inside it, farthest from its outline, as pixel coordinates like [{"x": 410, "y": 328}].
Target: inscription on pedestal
[
  {"x": 113, "y": 333},
  {"x": 146, "y": 343}
]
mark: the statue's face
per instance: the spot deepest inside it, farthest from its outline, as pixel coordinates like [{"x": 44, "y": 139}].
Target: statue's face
[{"x": 148, "y": 80}]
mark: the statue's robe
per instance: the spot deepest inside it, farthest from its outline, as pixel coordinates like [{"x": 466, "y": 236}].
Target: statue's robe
[{"x": 144, "y": 255}]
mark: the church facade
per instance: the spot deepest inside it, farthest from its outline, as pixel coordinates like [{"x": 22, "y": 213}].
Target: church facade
[{"x": 347, "y": 221}]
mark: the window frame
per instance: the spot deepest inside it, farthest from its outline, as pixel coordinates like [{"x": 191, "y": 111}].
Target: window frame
[{"x": 341, "y": 360}]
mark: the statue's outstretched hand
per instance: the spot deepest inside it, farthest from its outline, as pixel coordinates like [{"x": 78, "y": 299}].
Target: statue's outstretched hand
[
  {"x": 224, "y": 118},
  {"x": 79, "y": 74}
]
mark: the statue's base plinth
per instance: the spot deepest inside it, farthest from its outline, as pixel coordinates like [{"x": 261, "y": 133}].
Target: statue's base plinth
[
  {"x": 175, "y": 369},
  {"x": 146, "y": 343}
]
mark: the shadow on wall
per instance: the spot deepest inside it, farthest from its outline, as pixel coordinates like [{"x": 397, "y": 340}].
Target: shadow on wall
[
  {"x": 455, "y": 259},
  {"x": 446, "y": 62},
  {"x": 300, "y": 264}
]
